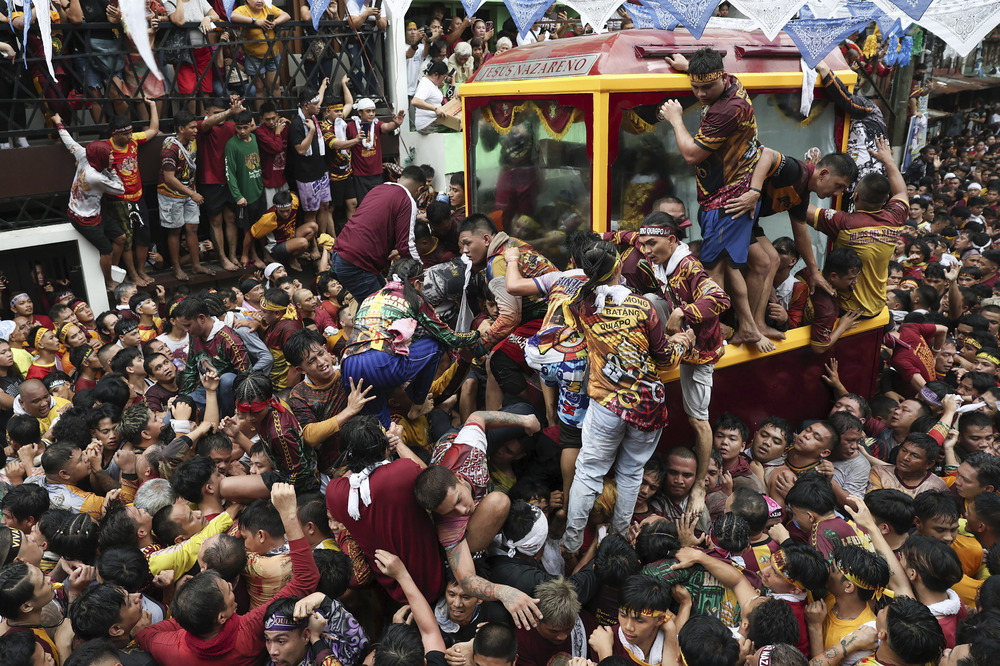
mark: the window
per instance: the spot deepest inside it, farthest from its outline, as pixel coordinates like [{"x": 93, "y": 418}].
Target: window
[
  {"x": 532, "y": 169},
  {"x": 646, "y": 164}
]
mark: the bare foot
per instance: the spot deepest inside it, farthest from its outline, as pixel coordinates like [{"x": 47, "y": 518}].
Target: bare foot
[
  {"x": 416, "y": 411},
  {"x": 233, "y": 259},
  {"x": 727, "y": 332},
  {"x": 745, "y": 336},
  {"x": 764, "y": 345},
  {"x": 181, "y": 275},
  {"x": 770, "y": 332},
  {"x": 134, "y": 279},
  {"x": 109, "y": 286},
  {"x": 243, "y": 261},
  {"x": 204, "y": 270},
  {"x": 259, "y": 264},
  {"x": 295, "y": 265},
  {"x": 146, "y": 280},
  {"x": 314, "y": 255},
  {"x": 228, "y": 265}
]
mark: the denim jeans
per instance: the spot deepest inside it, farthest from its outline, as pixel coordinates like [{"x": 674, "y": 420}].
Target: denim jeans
[
  {"x": 605, "y": 437},
  {"x": 227, "y": 400},
  {"x": 358, "y": 282}
]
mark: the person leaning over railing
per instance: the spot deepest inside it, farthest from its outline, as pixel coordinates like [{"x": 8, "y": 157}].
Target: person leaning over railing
[
  {"x": 194, "y": 66},
  {"x": 361, "y": 52},
  {"x": 321, "y": 48},
  {"x": 263, "y": 58},
  {"x": 98, "y": 53}
]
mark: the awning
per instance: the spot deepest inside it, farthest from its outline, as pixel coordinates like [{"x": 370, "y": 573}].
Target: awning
[{"x": 957, "y": 84}]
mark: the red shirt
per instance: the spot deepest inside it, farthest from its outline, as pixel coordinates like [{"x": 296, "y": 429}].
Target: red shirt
[
  {"x": 241, "y": 641},
  {"x": 273, "y": 155},
  {"x": 125, "y": 162},
  {"x": 366, "y": 161},
  {"x": 212, "y": 152},
  {"x": 393, "y": 522},
  {"x": 913, "y": 356}
]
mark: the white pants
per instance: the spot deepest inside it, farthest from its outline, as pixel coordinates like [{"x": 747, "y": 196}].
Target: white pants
[{"x": 607, "y": 441}]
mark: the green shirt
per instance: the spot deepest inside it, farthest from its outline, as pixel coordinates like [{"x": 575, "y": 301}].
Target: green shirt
[{"x": 243, "y": 169}]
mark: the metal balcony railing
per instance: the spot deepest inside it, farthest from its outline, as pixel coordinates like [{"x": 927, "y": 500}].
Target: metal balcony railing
[{"x": 29, "y": 95}]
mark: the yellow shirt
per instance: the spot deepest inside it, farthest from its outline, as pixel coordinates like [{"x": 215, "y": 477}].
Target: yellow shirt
[
  {"x": 22, "y": 360},
  {"x": 966, "y": 589},
  {"x": 835, "y": 628},
  {"x": 259, "y": 49},
  {"x": 46, "y": 423},
  {"x": 969, "y": 551}
]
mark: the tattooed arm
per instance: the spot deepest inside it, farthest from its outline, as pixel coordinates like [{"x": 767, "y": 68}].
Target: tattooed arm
[
  {"x": 521, "y": 607},
  {"x": 504, "y": 419},
  {"x": 862, "y": 638}
]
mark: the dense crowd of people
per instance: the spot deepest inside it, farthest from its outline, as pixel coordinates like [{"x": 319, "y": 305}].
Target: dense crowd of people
[{"x": 445, "y": 448}]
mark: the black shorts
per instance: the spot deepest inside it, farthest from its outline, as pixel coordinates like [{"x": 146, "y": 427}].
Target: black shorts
[
  {"x": 247, "y": 215},
  {"x": 100, "y": 235},
  {"x": 130, "y": 216},
  {"x": 281, "y": 254},
  {"x": 217, "y": 197},
  {"x": 570, "y": 437},
  {"x": 342, "y": 191}
]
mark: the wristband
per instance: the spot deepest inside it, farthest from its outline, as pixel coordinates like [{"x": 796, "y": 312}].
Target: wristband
[
  {"x": 756, "y": 190},
  {"x": 512, "y": 261}
]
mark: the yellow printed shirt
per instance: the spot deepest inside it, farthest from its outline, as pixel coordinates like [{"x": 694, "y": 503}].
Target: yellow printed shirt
[
  {"x": 634, "y": 352},
  {"x": 872, "y": 234}
]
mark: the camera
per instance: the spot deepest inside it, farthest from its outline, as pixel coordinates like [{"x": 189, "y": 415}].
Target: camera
[{"x": 427, "y": 32}]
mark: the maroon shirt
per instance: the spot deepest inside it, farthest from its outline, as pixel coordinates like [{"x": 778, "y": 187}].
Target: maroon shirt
[
  {"x": 366, "y": 161},
  {"x": 273, "y": 155},
  {"x": 382, "y": 223},
  {"x": 212, "y": 151},
  {"x": 393, "y": 522},
  {"x": 533, "y": 650}
]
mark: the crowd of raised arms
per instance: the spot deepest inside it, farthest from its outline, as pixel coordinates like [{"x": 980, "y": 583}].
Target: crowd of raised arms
[{"x": 443, "y": 449}]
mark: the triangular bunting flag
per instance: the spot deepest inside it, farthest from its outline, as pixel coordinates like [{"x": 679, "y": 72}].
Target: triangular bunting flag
[
  {"x": 525, "y": 13},
  {"x": 692, "y": 14},
  {"x": 818, "y": 37},
  {"x": 595, "y": 12},
  {"x": 769, "y": 15}
]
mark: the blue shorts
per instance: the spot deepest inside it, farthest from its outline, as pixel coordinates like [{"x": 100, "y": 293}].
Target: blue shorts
[
  {"x": 726, "y": 236},
  {"x": 104, "y": 61},
  {"x": 257, "y": 66}
]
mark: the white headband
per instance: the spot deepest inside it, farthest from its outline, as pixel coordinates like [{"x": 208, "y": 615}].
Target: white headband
[
  {"x": 534, "y": 540},
  {"x": 657, "y": 231}
]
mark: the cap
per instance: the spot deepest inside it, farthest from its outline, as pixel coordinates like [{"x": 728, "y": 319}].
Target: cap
[
  {"x": 248, "y": 285},
  {"x": 6, "y": 328},
  {"x": 271, "y": 268}
]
